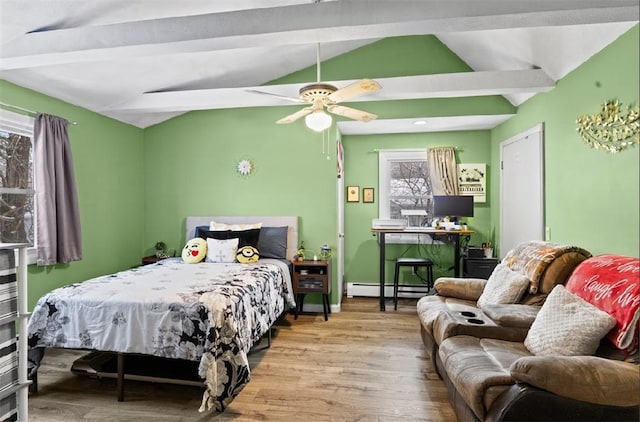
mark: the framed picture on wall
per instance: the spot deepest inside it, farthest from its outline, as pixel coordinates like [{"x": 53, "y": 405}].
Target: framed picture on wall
[
  {"x": 353, "y": 193},
  {"x": 472, "y": 180},
  {"x": 367, "y": 195}
]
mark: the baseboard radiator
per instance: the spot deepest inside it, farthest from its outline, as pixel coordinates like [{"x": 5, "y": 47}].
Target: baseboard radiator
[{"x": 373, "y": 290}]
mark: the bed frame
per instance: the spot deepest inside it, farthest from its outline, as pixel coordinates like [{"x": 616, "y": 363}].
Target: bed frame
[{"x": 102, "y": 364}]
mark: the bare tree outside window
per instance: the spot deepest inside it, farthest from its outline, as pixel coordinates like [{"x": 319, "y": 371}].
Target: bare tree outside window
[
  {"x": 410, "y": 188},
  {"x": 16, "y": 188}
]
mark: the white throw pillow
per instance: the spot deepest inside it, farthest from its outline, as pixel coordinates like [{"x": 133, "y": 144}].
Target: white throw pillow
[
  {"x": 567, "y": 325},
  {"x": 504, "y": 286},
  {"x": 213, "y": 226},
  {"x": 222, "y": 250}
]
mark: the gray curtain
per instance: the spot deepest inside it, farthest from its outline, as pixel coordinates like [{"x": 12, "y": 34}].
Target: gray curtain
[
  {"x": 443, "y": 170},
  {"x": 58, "y": 216}
]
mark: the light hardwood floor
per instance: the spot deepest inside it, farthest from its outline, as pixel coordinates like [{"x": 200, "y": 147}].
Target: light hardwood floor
[{"x": 361, "y": 365}]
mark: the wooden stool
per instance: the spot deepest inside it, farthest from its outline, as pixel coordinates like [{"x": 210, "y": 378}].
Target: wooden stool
[{"x": 415, "y": 263}]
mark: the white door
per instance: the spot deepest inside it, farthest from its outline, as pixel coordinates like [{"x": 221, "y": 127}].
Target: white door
[{"x": 522, "y": 189}]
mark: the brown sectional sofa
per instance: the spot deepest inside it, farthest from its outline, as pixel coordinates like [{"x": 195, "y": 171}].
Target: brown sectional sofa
[
  {"x": 490, "y": 370},
  {"x": 454, "y": 309}
]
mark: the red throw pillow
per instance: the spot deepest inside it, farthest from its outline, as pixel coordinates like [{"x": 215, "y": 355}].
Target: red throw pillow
[{"x": 610, "y": 282}]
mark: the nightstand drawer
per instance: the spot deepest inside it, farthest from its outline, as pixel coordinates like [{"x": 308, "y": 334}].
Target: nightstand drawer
[{"x": 311, "y": 283}]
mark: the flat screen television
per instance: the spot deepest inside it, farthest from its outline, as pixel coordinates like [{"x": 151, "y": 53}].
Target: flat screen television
[{"x": 453, "y": 206}]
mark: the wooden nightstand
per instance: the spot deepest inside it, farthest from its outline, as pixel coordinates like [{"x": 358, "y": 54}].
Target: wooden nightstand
[
  {"x": 151, "y": 259},
  {"x": 312, "y": 277}
]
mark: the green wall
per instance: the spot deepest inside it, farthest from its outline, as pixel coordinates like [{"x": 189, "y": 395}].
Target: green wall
[
  {"x": 190, "y": 160},
  {"x": 190, "y": 169},
  {"x": 591, "y": 197},
  {"x": 409, "y": 56},
  {"x": 107, "y": 158},
  {"x": 361, "y": 169},
  {"x": 136, "y": 186}
]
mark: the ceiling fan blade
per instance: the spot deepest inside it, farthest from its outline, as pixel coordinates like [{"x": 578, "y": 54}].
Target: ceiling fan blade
[
  {"x": 295, "y": 116},
  {"x": 353, "y": 90},
  {"x": 351, "y": 113},
  {"x": 284, "y": 97}
]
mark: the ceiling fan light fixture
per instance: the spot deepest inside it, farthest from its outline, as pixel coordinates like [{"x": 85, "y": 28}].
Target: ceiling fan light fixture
[{"x": 318, "y": 121}]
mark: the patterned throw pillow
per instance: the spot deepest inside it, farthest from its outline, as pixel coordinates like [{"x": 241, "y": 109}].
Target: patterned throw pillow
[
  {"x": 503, "y": 287},
  {"x": 567, "y": 325},
  {"x": 221, "y": 250}
]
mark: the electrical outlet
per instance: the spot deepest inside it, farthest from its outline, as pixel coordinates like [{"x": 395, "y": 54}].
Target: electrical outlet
[{"x": 547, "y": 233}]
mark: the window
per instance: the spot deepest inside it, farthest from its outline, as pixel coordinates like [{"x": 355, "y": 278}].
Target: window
[
  {"x": 404, "y": 183},
  {"x": 17, "y": 207}
]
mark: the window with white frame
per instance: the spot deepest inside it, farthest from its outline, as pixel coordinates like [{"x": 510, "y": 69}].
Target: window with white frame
[
  {"x": 17, "y": 205},
  {"x": 404, "y": 183}
]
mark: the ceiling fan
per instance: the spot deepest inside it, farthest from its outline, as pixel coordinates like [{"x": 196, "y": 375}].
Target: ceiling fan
[{"x": 320, "y": 95}]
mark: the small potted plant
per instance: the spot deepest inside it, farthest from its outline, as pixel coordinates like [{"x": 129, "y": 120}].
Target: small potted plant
[
  {"x": 161, "y": 250},
  {"x": 488, "y": 246},
  {"x": 300, "y": 252}
]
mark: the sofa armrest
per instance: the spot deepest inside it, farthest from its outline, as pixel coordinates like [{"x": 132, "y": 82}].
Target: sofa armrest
[
  {"x": 524, "y": 402},
  {"x": 512, "y": 315},
  {"x": 586, "y": 378},
  {"x": 460, "y": 288}
]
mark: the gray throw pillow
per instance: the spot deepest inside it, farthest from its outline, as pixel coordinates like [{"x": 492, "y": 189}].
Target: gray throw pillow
[{"x": 272, "y": 242}]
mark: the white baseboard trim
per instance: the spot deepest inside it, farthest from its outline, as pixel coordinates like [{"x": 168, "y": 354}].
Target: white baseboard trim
[
  {"x": 373, "y": 290},
  {"x": 317, "y": 307}
]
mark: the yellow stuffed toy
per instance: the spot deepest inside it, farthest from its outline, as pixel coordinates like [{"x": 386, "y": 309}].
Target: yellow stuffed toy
[
  {"x": 194, "y": 251},
  {"x": 247, "y": 255}
]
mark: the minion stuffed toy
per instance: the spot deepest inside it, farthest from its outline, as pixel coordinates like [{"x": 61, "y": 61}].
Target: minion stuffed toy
[
  {"x": 247, "y": 255},
  {"x": 194, "y": 251}
]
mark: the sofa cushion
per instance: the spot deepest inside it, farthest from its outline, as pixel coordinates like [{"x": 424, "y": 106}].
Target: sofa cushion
[
  {"x": 479, "y": 368},
  {"x": 534, "y": 258},
  {"x": 584, "y": 378},
  {"x": 504, "y": 286},
  {"x": 610, "y": 282},
  {"x": 567, "y": 325},
  {"x": 559, "y": 270},
  {"x": 461, "y": 288}
]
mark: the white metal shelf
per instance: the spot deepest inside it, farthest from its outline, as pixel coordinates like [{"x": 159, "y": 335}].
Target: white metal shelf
[{"x": 21, "y": 317}]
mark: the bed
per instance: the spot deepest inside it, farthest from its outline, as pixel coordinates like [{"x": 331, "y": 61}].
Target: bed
[{"x": 212, "y": 313}]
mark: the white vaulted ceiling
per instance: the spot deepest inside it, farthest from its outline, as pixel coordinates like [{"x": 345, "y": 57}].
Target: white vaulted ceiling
[{"x": 143, "y": 62}]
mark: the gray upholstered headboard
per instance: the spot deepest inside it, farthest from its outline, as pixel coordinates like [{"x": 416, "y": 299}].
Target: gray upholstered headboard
[{"x": 267, "y": 221}]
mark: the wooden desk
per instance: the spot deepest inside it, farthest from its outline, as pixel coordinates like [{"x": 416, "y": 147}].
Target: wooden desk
[{"x": 382, "y": 234}]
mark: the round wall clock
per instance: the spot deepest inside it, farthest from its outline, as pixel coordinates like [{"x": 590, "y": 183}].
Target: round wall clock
[{"x": 244, "y": 167}]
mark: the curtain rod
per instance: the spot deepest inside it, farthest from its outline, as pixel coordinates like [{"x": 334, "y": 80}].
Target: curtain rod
[
  {"x": 376, "y": 150},
  {"x": 26, "y": 110}
]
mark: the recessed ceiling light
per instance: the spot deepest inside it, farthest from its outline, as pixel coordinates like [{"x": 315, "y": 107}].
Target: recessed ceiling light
[{"x": 420, "y": 122}]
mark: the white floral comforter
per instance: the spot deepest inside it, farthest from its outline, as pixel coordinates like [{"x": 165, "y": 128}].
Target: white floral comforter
[{"x": 208, "y": 312}]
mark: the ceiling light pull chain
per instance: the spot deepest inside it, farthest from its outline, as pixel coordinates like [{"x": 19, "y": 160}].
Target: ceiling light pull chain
[{"x": 323, "y": 147}]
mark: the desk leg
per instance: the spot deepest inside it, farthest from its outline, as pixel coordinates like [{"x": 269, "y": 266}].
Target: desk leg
[
  {"x": 382, "y": 268},
  {"x": 456, "y": 257}
]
